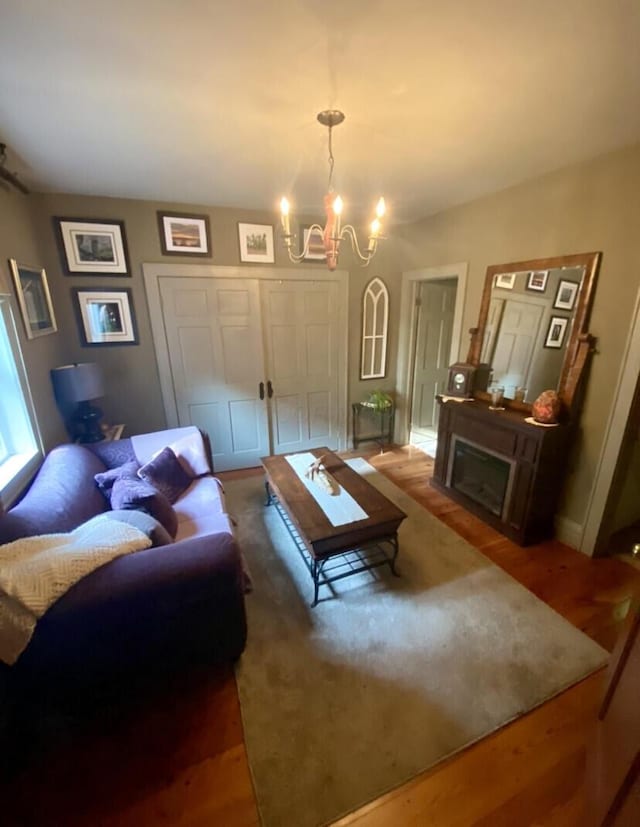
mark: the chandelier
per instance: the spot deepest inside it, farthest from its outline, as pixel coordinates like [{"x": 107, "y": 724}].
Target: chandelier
[{"x": 332, "y": 233}]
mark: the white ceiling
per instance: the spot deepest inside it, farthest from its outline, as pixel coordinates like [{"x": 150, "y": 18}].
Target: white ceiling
[{"x": 215, "y": 102}]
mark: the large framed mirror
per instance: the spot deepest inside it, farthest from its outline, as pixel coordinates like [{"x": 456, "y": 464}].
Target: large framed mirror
[{"x": 532, "y": 328}]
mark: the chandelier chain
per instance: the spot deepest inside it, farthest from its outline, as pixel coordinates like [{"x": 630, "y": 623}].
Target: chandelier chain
[{"x": 331, "y": 162}]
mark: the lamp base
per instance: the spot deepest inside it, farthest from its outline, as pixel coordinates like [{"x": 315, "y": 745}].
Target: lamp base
[{"x": 87, "y": 423}]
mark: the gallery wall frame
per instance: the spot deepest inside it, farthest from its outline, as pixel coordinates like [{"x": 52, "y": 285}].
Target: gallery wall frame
[
  {"x": 537, "y": 281},
  {"x": 256, "y": 243},
  {"x": 556, "y": 332},
  {"x": 34, "y": 299},
  {"x": 92, "y": 246},
  {"x": 184, "y": 234},
  {"x": 505, "y": 281},
  {"x": 316, "y": 244},
  {"x": 566, "y": 295},
  {"x": 105, "y": 316}
]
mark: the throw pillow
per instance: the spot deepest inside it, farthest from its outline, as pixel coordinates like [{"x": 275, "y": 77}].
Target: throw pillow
[
  {"x": 154, "y": 529},
  {"x": 136, "y": 493},
  {"x": 166, "y": 474},
  {"x": 106, "y": 479}
]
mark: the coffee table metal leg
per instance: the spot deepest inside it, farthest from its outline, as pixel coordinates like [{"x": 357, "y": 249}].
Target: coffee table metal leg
[
  {"x": 269, "y": 499},
  {"x": 315, "y": 574}
]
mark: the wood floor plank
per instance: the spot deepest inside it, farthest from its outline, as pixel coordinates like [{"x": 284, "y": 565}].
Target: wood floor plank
[{"x": 176, "y": 756}]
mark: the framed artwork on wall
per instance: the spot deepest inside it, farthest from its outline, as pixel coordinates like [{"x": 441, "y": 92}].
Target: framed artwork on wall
[
  {"x": 316, "y": 244},
  {"x": 184, "y": 234},
  {"x": 256, "y": 243},
  {"x": 566, "y": 296},
  {"x": 34, "y": 299},
  {"x": 556, "y": 331},
  {"x": 105, "y": 316},
  {"x": 89, "y": 246},
  {"x": 506, "y": 280},
  {"x": 538, "y": 280}
]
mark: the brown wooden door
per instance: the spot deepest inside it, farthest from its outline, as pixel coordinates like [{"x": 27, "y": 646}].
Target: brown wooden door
[{"x": 613, "y": 772}]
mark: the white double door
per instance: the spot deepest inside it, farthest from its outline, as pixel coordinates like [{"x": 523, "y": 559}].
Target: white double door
[{"x": 254, "y": 363}]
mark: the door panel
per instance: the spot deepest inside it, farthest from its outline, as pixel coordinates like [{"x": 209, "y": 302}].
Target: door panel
[
  {"x": 518, "y": 332},
  {"x": 433, "y": 348},
  {"x": 301, "y": 336},
  {"x": 214, "y": 338}
]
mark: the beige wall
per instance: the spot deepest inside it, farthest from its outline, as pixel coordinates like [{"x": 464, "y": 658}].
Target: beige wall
[
  {"x": 590, "y": 206},
  {"x": 131, "y": 372},
  {"x": 19, "y": 240},
  {"x": 586, "y": 207}
]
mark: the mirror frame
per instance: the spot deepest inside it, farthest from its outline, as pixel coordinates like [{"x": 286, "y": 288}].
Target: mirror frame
[{"x": 580, "y": 344}]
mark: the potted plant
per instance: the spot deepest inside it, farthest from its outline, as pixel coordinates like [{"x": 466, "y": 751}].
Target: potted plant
[{"x": 379, "y": 400}]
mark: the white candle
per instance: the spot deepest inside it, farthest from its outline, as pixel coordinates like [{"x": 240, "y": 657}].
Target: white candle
[{"x": 284, "y": 215}]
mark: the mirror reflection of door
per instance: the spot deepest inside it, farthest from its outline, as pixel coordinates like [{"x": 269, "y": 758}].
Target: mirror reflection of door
[
  {"x": 434, "y": 327},
  {"x": 519, "y": 329}
]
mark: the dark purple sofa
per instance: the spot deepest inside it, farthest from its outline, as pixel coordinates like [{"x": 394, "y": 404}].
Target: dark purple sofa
[{"x": 150, "y": 611}]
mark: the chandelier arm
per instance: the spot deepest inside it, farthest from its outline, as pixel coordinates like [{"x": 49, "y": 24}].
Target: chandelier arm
[
  {"x": 298, "y": 257},
  {"x": 350, "y": 232}
]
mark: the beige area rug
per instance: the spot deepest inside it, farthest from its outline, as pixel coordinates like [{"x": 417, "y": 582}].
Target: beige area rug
[{"x": 389, "y": 675}]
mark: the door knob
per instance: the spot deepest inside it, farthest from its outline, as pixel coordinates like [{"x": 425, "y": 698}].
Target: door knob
[
  {"x": 269, "y": 388},
  {"x": 261, "y": 390}
]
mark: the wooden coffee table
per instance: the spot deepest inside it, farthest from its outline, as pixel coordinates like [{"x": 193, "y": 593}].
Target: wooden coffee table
[{"x": 362, "y": 545}]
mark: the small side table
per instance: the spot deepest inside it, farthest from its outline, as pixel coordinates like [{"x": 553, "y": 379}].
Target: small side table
[
  {"x": 386, "y": 418},
  {"x": 113, "y": 432}
]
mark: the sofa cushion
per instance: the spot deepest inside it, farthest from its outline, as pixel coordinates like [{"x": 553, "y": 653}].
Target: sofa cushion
[
  {"x": 203, "y": 497},
  {"x": 144, "y": 522},
  {"x": 136, "y": 493},
  {"x": 106, "y": 479},
  {"x": 166, "y": 474}
]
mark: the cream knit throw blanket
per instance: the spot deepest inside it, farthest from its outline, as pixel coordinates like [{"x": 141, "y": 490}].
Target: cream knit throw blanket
[{"x": 36, "y": 571}]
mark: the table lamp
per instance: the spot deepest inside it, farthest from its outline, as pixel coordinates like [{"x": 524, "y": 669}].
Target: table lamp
[{"x": 74, "y": 387}]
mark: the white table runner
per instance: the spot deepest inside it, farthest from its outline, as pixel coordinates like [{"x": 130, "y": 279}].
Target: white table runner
[{"x": 341, "y": 508}]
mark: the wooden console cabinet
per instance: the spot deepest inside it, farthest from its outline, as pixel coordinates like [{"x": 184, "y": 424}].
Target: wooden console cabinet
[{"x": 536, "y": 459}]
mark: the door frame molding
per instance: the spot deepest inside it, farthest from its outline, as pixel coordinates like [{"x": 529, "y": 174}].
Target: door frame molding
[
  {"x": 152, "y": 272},
  {"x": 592, "y": 529},
  {"x": 407, "y": 335}
]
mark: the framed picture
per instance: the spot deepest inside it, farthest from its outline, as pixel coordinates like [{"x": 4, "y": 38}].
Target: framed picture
[
  {"x": 566, "y": 295},
  {"x": 256, "y": 243},
  {"x": 506, "y": 280},
  {"x": 556, "y": 332},
  {"x": 538, "y": 280},
  {"x": 184, "y": 234},
  {"x": 316, "y": 245},
  {"x": 34, "y": 299},
  {"x": 105, "y": 316},
  {"x": 89, "y": 246}
]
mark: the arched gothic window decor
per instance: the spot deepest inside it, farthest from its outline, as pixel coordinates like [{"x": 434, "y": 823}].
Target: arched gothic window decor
[{"x": 375, "y": 322}]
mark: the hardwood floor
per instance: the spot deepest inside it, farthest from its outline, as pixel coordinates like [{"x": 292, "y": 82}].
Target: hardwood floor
[{"x": 174, "y": 755}]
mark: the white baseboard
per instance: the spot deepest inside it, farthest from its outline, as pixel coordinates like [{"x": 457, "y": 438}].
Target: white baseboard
[{"x": 569, "y": 532}]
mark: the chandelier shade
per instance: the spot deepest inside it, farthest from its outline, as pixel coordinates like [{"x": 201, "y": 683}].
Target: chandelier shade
[{"x": 333, "y": 232}]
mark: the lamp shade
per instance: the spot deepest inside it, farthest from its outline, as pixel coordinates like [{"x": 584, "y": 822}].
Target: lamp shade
[{"x": 77, "y": 383}]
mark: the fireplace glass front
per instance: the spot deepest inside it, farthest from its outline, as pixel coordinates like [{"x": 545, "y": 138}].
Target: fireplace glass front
[{"x": 481, "y": 475}]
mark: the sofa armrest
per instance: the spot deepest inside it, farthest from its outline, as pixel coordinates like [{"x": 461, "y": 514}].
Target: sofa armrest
[{"x": 159, "y": 606}]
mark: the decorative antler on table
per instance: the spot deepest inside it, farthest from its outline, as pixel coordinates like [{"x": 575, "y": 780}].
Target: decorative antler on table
[{"x": 317, "y": 473}]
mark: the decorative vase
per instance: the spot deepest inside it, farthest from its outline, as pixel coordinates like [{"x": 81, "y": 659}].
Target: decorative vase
[{"x": 546, "y": 408}]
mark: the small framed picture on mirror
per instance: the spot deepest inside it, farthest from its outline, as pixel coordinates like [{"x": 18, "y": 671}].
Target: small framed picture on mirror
[
  {"x": 566, "y": 295},
  {"x": 538, "y": 280},
  {"x": 556, "y": 332},
  {"x": 506, "y": 280}
]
